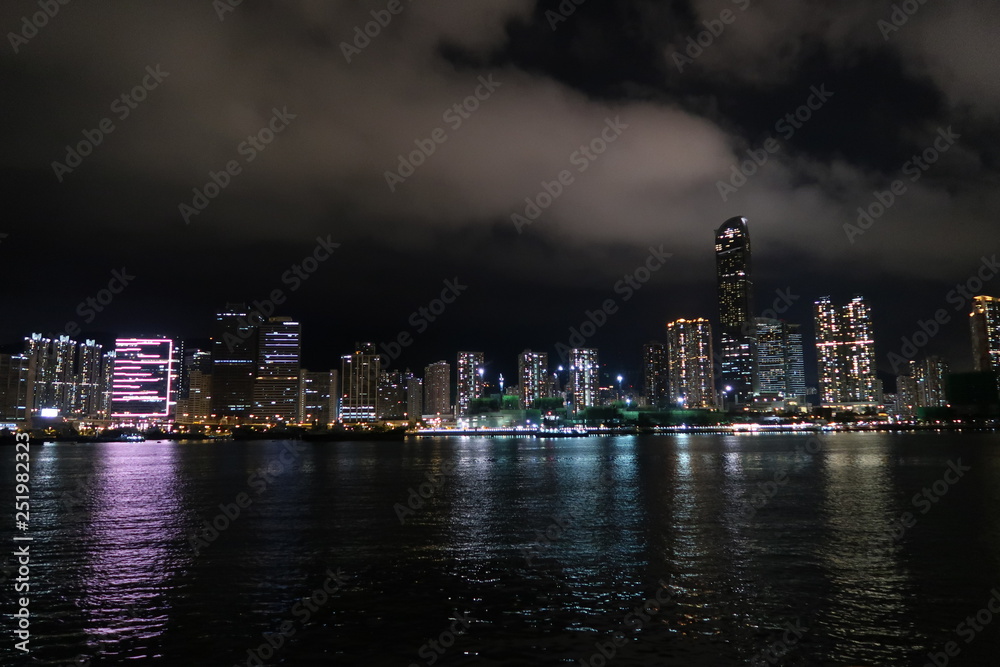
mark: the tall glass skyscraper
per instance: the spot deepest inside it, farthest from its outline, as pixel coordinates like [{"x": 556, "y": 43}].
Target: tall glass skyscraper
[
  {"x": 845, "y": 351},
  {"x": 276, "y": 385},
  {"x": 234, "y": 362},
  {"x": 780, "y": 360},
  {"x": 144, "y": 375},
  {"x": 360, "y": 373},
  {"x": 737, "y": 337}
]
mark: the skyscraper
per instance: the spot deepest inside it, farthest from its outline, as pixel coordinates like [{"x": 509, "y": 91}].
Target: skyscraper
[
  {"x": 985, "y": 322},
  {"x": 87, "y": 398},
  {"x": 929, "y": 376},
  {"x": 391, "y": 395},
  {"x": 360, "y": 373},
  {"x": 735, "y": 283},
  {"x": 414, "y": 397},
  {"x": 276, "y": 385},
  {"x": 846, "y": 354},
  {"x": 656, "y": 374},
  {"x": 780, "y": 360},
  {"x": 54, "y": 361},
  {"x": 234, "y": 362},
  {"x": 690, "y": 360},
  {"x": 16, "y": 384},
  {"x": 470, "y": 380},
  {"x": 144, "y": 373},
  {"x": 318, "y": 397},
  {"x": 584, "y": 378},
  {"x": 437, "y": 388},
  {"x": 532, "y": 372}
]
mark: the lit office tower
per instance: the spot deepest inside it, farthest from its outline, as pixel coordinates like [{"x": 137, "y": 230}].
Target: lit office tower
[
  {"x": 16, "y": 383},
  {"x": 359, "y": 373},
  {"x": 929, "y": 376},
  {"x": 143, "y": 376},
  {"x": 318, "y": 397},
  {"x": 584, "y": 378},
  {"x": 54, "y": 361},
  {"x": 437, "y": 388},
  {"x": 845, "y": 351},
  {"x": 195, "y": 405},
  {"x": 88, "y": 379},
  {"x": 391, "y": 402},
  {"x": 533, "y": 375},
  {"x": 414, "y": 397},
  {"x": 690, "y": 363},
  {"x": 738, "y": 352},
  {"x": 234, "y": 362},
  {"x": 276, "y": 385},
  {"x": 985, "y": 321},
  {"x": 656, "y": 376},
  {"x": 780, "y": 360},
  {"x": 470, "y": 380}
]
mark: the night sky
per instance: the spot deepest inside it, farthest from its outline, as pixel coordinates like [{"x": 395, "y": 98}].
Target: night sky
[{"x": 214, "y": 75}]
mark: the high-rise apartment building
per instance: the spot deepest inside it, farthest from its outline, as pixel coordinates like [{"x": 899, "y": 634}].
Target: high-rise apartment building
[
  {"x": 16, "y": 389},
  {"x": 470, "y": 380},
  {"x": 437, "y": 388},
  {"x": 392, "y": 395},
  {"x": 845, "y": 349},
  {"x": 584, "y": 378},
  {"x": 690, "y": 363},
  {"x": 656, "y": 374},
  {"x": 533, "y": 374},
  {"x": 929, "y": 376},
  {"x": 318, "y": 397},
  {"x": 985, "y": 323},
  {"x": 414, "y": 397},
  {"x": 54, "y": 361}
]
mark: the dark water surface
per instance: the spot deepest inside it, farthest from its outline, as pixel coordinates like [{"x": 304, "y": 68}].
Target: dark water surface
[{"x": 609, "y": 523}]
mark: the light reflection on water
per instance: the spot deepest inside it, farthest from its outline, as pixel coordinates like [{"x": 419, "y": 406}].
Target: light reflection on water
[{"x": 607, "y": 519}]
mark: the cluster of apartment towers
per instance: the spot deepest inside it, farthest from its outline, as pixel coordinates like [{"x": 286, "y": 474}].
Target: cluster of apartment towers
[{"x": 253, "y": 372}]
